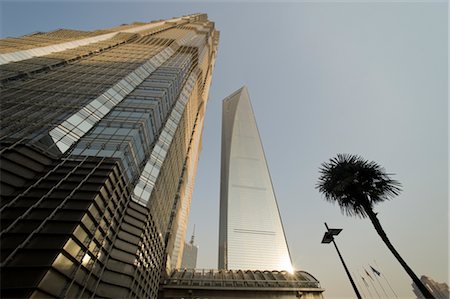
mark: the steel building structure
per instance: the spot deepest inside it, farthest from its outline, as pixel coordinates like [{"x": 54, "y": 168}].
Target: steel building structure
[
  {"x": 100, "y": 136},
  {"x": 222, "y": 284}
]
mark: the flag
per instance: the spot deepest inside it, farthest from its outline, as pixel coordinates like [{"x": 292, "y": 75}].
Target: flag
[
  {"x": 375, "y": 271},
  {"x": 368, "y": 274},
  {"x": 367, "y": 285}
]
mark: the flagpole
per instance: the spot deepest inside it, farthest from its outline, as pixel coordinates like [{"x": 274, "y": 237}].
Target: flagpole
[
  {"x": 378, "y": 280},
  {"x": 371, "y": 281},
  {"x": 366, "y": 284},
  {"x": 358, "y": 285},
  {"x": 384, "y": 291},
  {"x": 384, "y": 276}
]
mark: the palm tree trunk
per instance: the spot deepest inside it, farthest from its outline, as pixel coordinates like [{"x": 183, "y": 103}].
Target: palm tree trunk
[{"x": 373, "y": 217}]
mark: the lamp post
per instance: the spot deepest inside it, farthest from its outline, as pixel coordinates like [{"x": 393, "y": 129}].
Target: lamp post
[{"x": 328, "y": 237}]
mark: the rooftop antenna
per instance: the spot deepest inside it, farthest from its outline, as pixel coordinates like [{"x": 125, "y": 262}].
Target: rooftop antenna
[{"x": 192, "y": 238}]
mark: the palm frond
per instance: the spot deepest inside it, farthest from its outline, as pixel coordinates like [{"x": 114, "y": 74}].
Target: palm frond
[{"x": 355, "y": 184}]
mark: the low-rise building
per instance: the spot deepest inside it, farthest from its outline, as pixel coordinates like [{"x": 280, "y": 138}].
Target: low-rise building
[{"x": 222, "y": 284}]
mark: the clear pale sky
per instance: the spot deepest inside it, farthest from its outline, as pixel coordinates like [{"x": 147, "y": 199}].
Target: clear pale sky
[{"x": 368, "y": 78}]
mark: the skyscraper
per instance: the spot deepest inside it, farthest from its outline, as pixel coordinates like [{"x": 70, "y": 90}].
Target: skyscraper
[
  {"x": 251, "y": 235},
  {"x": 100, "y": 137},
  {"x": 438, "y": 290},
  {"x": 190, "y": 251}
]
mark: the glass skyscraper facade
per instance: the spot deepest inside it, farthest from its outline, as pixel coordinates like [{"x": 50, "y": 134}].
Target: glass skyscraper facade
[
  {"x": 100, "y": 138},
  {"x": 189, "y": 260},
  {"x": 251, "y": 235}
]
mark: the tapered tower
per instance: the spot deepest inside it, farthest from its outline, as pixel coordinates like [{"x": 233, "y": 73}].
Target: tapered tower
[{"x": 251, "y": 235}]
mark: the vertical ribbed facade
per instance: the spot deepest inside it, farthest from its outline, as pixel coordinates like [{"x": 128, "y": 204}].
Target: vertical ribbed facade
[
  {"x": 100, "y": 137},
  {"x": 251, "y": 235},
  {"x": 189, "y": 260}
]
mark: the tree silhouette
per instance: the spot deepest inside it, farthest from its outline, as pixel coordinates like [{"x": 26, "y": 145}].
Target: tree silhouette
[{"x": 357, "y": 185}]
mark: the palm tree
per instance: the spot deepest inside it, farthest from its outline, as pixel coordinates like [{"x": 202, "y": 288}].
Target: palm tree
[{"x": 357, "y": 185}]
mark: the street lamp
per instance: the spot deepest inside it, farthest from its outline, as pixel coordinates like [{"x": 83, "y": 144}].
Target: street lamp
[{"x": 328, "y": 237}]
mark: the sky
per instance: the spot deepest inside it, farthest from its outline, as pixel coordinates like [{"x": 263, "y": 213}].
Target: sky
[{"x": 359, "y": 77}]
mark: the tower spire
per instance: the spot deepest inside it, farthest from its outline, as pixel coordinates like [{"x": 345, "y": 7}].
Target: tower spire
[{"x": 192, "y": 237}]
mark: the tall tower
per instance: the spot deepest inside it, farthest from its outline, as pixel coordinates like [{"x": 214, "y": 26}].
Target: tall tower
[
  {"x": 190, "y": 251},
  {"x": 100, "y": 138},
  {"x": 251, "y": 235}
]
